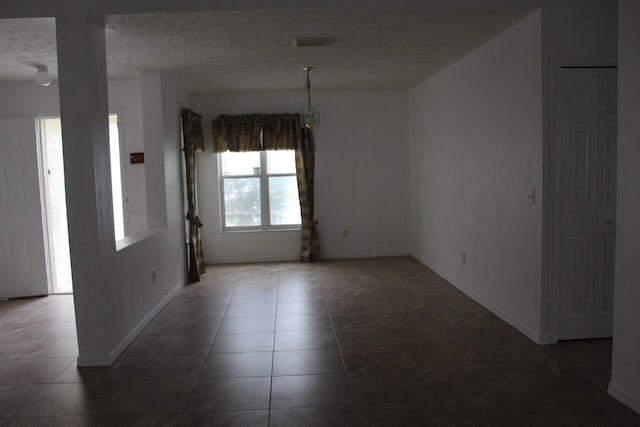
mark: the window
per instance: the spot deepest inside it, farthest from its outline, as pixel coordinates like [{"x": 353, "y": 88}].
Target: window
[{"x": 259, "y": 190}]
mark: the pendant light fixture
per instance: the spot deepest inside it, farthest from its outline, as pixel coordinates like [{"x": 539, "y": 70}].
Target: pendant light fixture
[
  {"x": 42, "y": 77},
  {"x": 311, "y": 114}
]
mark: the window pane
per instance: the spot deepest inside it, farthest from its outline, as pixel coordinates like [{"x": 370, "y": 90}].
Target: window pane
[
  {"x": 281, "y": 161},
  {"x": 283, "y": 200},
  {"x": 234, "y": 164},
  {"x": 242, "y": 202}
]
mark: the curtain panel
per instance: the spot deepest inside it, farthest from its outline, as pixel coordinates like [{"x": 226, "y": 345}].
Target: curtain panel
[
  {"x": 193, "y": 141},
  {"x": 256, "y": 132}
]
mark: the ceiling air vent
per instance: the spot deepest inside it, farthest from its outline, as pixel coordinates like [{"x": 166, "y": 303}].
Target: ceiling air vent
[{"x": 314, "y": 42}]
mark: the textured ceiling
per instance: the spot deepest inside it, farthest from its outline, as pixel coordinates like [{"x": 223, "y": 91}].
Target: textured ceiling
[{"x": 240, "y": 51}]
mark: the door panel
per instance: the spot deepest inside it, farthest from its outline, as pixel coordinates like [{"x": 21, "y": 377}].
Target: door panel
[
  {"x": 22, "y": 257},
  {"x": 586, "y": 182},
  {"x": 606, "y": 222},
  {"x": 580, "y": 252},
  {"x": 580, "y": 167},
  {"x": 577, "y": 133}
]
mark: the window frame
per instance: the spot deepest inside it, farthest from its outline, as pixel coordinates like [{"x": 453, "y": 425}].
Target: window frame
[{"x": 265, "y": 209}]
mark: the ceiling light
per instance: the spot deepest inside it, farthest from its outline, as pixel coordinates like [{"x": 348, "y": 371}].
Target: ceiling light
[
  {"x": 314, "y": 42},
  {"x": 42, "y": 78},
  {"x": 311, "y": 114}
]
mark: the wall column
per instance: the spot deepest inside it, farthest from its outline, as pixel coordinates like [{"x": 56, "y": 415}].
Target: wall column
[
  {"x": 84, "y": 111},
  {"x": 625, "y": 381}
]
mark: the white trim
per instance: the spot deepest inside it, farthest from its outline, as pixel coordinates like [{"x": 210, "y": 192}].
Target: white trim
[
  {"x": 133, "y": 333},
  {"x": 135, "y": 238},
  {"x": 531, "y": 333},
  {"x": 347, "y": 255},
  {"x": 623, "y": 395},
  {"x": 336, "y": 255},
  {"x": 241, "y": 259}
]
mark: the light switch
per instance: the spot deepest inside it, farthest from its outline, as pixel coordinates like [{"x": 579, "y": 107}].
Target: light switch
[{"x": 531, "y": 195}]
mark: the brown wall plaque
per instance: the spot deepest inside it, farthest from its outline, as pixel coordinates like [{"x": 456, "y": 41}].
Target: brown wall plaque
[{"x": 136, "y": 158}]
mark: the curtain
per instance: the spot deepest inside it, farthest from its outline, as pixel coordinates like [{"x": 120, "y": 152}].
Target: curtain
[
  {"x": 305, "y": 170},
  {"x": 255, "y": 132},
  {"x": 193, "y": 143}
]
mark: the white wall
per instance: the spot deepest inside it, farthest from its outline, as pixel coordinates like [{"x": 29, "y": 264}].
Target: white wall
[
  {"x": 30, "y": 100},
  {"x": 361, "y": 176},
  {"x": 135, "y": 297},
  {"x": 476, "y": 146},
  {"x": 625, "y": 382}
]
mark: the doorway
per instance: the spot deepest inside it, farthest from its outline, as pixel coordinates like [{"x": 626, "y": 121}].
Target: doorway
[
  {"x": 54, "y": 199},
  {"x": 586, "y": 160},
  {"x": 55, "y": 206}
]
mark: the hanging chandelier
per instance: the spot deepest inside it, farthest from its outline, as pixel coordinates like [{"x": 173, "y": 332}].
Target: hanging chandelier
[{"x": 311, "y": 113}]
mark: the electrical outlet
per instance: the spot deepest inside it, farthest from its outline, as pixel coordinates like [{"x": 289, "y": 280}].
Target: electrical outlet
[
  {"x": 153, "y": 275},
  {"x": 345, "y": 233},
  {"x": 531, "y": 195}
]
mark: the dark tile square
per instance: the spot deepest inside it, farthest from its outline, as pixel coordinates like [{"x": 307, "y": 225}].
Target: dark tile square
[
  {"x": 254, "y": 418},
  {"x": 251, "y": 310},
  {"x": 428, "y": 413},
  {"x": 229, "y": 394},
  {"x": 254, "y": 297},
  {"x": 377, "y": 359},
  {"x": 303, "y": 322},
  {"x": 289, "y": 294},
  {"x": 183, "y": 326},
  {"x": 73, "y": 421},
  {"x": 169, "y": 345},
  {"x": 236, "y": 365},
  {"x": 390, "y": 387},
  {"x": 301, "y": 307},
  {"x": 331, "y": 416},
  {"x": 157, "y": 368},
  {"x": 136, "y": 420},
  {"x": 232, "y": 325},
  {"x": 256, "y": 341},
  {"x": 309, "y": 391},
  {"x": 305, "y": 340},
  {"x": 306, "y": 362},
  {"x": 32, "y": 371}
]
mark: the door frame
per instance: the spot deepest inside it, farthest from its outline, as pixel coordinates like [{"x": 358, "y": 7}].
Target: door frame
[{"x": 551, "y": 212}]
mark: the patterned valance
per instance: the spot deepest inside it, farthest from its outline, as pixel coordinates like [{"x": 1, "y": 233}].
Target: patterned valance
[{"x": 256, "y": 132}]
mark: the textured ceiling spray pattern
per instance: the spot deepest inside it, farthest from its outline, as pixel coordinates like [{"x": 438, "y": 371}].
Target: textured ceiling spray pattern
[{"x": 252, "y": 51}]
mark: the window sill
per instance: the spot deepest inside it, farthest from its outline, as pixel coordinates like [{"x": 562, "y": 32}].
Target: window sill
[
  {"x": 270, "y": 230},
  {"x": 135, "y": 238}
]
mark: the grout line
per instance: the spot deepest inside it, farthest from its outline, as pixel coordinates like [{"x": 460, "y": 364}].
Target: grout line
[
  {"x": 344, "y": 365},
  {"x": 273, "y": 348},
  {"x": 195, "y": 382}
]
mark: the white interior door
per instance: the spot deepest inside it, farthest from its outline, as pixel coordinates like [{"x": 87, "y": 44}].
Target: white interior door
[
  {"x": 586, "y": 160},
  {"x": 22, "y": 256},
  {"x": 606, "y": 221}
]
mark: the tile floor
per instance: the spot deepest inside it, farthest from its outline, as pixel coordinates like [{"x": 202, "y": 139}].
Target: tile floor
[{"x": 370, "y": 342}]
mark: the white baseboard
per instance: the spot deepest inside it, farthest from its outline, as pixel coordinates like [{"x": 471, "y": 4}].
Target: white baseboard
[
  {"x": 133, "y": 333},
  {"x": 240, "y": 260},
  {"x": 347, "y": 255},
  {"x": 623, "y": 395},
  {"x": 331, "y": 255},
  {"x": 531, "y": 333},
  {"x": 90, "y": 362}
]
